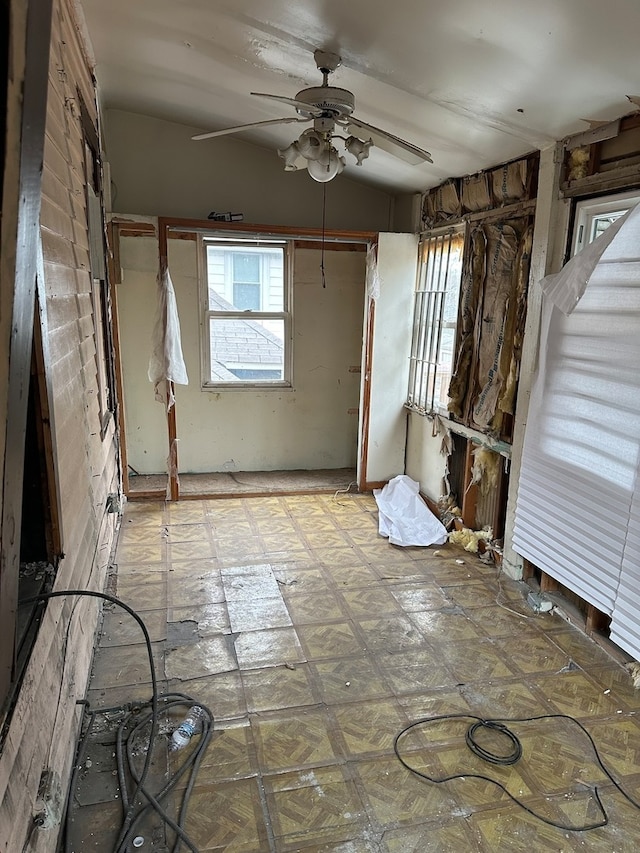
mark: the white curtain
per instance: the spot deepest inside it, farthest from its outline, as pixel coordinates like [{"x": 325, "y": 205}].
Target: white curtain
[{"x": 578, "y": 507}]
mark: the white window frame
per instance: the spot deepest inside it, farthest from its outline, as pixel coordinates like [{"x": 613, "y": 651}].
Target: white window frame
[
  {"x": 433, "y": 282},
  {"x": 206, "y": 314},
  {"x": 591, "y": 209}
]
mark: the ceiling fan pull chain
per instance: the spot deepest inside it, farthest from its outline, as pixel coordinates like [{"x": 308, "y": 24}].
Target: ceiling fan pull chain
[{"x": 324, "y": 213}]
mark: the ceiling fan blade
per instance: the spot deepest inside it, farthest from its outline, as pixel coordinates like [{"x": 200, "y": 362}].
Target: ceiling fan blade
[
  {"x": 299, "y": 105},
  {"x": 388, "y": 142},
  {"x": 225, "y": 131}
]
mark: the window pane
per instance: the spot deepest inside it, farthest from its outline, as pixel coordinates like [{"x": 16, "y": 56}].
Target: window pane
[
  {"x": 246, "y": 350},
  {"x": 600, "y": 224},
  {"x": 246, "y": 267},
  {"x": 434, "y": 321},
  {"x": 242, "y": 278},
  {"x": 246, "y": 297}
]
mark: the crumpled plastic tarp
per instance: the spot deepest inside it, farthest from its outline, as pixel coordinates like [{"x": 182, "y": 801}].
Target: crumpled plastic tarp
[{"x": 404, "y": 518}]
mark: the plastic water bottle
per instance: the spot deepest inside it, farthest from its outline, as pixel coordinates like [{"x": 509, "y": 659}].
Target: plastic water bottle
[{"x": 187, "y": 728}]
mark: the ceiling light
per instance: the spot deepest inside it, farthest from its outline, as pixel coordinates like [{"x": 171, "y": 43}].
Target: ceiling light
[
  {"x": 327, "y": 166},
  {"x": 358, "y": 148},
  {"x": 314, "y": 149},
  {"x": 293, "y": 159},
  {"x": 311, "y": 144}
]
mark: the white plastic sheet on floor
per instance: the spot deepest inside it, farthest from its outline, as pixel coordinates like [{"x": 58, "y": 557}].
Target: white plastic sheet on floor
[{"x": 404, "y": 518}]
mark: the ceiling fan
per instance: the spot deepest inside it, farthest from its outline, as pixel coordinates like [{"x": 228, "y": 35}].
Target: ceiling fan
[{"x": 331, "y": 111}]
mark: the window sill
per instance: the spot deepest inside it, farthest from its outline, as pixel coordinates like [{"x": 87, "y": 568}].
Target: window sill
[
  {"x": 248, "y": 386},
  {"x": 498, "y": 446}
]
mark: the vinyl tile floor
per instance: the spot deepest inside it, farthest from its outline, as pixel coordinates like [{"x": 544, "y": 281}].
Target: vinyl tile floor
[{"x": 314, "y": 642}]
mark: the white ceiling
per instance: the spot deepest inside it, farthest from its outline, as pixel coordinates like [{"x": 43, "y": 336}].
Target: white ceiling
[{"x": 473, "y": 83}]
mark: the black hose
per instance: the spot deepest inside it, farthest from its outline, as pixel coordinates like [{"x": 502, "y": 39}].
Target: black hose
[
  {"x": 510, "y": 758},
  {"x": 123, "y": 743}
]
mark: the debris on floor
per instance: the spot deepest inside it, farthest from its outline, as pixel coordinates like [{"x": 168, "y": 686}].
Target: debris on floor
[
  {"x": 474, "y": 541},
  {"x": 449, "y": 511},
  {"x": 634, "y": 672},
  {"x": 539, "y": 602}
]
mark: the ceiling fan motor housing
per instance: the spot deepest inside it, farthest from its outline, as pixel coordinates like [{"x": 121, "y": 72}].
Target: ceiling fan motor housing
[{"x": 339, "y": 103}]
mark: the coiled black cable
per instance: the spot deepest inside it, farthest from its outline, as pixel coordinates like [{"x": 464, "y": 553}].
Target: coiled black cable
[
  {"x": 482, "y": 752},
  {"x": 499, "y": 725}
]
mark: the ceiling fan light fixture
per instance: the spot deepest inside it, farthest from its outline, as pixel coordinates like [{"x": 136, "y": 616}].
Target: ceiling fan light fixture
[
  {"x": 311, "y": 144},
  {"x": 327, "y": 167},
  {"x": 293, "y": 159},
  {"x": 358, "y": 148}
]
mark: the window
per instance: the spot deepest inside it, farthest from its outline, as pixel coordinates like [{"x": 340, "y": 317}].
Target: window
[
  {"x": 593, "y": 217},
  {"x": 434, "y": 320},
  {"x": 247, "y": 316}
]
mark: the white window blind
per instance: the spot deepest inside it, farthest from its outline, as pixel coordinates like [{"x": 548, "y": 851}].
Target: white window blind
[{"x": 578, "y": 510}]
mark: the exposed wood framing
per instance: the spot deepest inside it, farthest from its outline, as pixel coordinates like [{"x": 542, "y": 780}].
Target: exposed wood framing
[
  {"x": 172, "y": 429},
  {"x": 546, "y": 256},
  {"x": 596, "y": 620},
  {"x": 548, "y": 584},
  {"x": 266, "y": 230},
  {"x": 113, "y": 265},
  {"x": 509, "y": 211},
  {"x": 363, "y": 484},
  {"x": 470, "y": 496}
]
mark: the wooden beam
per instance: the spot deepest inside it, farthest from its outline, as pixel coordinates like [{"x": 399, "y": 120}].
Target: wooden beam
[
  {"x": 363, "y": 485},
  {"x": 172, "y": 429},
  {"x": 597, "y": 621},
  {"x": 172, "y": 224},
  {"x": 470, "y": 496},
  {"x": 117, "y": 369},
  {"x": 548, "y": 584}
]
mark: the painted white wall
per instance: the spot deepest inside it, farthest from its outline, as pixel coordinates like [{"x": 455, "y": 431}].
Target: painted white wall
[
  {"x": 145, "y": 419},
  {"x": 307, "y": 427},
  {"x": 397, "y": 259},
  {"x": 157, "y": 170},
  {"x": 425, "y": 463}
]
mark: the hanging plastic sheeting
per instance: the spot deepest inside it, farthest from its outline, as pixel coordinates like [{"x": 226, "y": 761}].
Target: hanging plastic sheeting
[
  {"x": 373, "y": 277},
  {"x": 166, "y": 364},
  {"x": 404, "y": 518},
  {"x": 578, "y": 506},
  {"x": 566, "y": 288}
]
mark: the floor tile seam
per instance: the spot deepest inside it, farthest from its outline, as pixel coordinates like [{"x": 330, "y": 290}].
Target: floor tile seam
[
  {"x": 516, "y": 669},
  {"x": 153, "y": 612},
  {"x": 555, "y": 704},
  {"x": 335, "y": 834},
  {"x": 133, "y": 564},
  {"x": 370, "y": 658},
  {"x": 454, "y": 683},
  {"x": 389, "y": 601},
  {"x": 395, "y": 825},
  {"x": 140, "y": 648}
]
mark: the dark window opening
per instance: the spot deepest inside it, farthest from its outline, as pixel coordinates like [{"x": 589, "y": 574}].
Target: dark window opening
[{"x": 37, "y": 547}]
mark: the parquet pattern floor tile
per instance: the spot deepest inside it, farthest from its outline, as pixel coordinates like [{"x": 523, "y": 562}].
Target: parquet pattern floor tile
[{"x": 314, "y": 643}]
